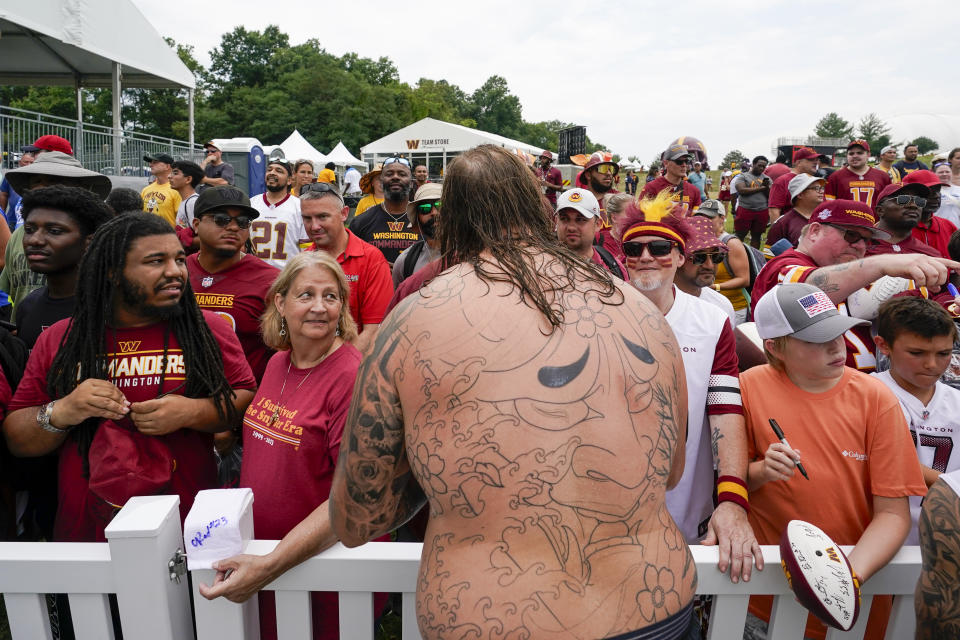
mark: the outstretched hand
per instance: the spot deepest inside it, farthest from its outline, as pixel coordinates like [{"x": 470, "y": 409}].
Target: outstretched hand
[
  {"x": 238, "y": 578},
  {"x": 738, "y": 546}
]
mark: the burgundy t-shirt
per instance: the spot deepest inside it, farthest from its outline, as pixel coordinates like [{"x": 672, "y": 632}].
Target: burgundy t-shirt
[
  {"x": 610, "y": 243},
  {"x": 238, "y": 296},
  {"x": 788, "y": 226},
  {"x": 553, "y": 177},
  {"x": 134, "y": 356},
  {"x": 780, "y": 192},
  {"x": 936, "y": 234},
  {"x": 691, "y": 195},
  {"x": 844, "y": 184},
  {"x": 909, "y": 245}
]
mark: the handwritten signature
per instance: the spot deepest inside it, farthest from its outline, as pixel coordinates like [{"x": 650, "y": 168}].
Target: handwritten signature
[{"x": 200, "y": 536}]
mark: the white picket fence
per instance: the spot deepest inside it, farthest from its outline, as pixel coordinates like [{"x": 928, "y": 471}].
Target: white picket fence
[{"x": 145, "y": 536}]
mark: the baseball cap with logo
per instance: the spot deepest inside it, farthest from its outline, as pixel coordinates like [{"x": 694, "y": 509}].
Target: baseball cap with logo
[
  {"x": 805, "y": 153},
  {"x": 859, "y": 143},
  {"x": 159, "y": 157},
  {"x": 581, "y": 200},
  {"x": 848, "y": 213},
  {"x": 223, "y": 196},
  {"x": 801, "y": 311},
  {"x": 924, "y": 176},
  {"x": 676, "y": 151},
  {"x": 49, "y": 143},
  {"x": 800, "y": 183},
  {"x": 710, "y": 209},
  {"x": 912, "y": 188}
]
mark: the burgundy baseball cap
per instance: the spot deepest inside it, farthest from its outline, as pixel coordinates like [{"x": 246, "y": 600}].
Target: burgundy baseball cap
[
  {"x": 912, "y": 188},
  {"x": 859, "y": 143},
  {"x": 49, "y": 143},
  {"x": 805, "y": 153},
  {"x": 848, "y": 213},
  {"x": 923, "y": 176}
]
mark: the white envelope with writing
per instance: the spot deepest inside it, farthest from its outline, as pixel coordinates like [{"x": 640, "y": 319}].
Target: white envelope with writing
[{"x": 212, "y": 530}]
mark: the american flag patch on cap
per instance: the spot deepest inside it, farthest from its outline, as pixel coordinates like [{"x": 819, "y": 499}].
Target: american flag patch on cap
[{"x": 816, "y": 303}]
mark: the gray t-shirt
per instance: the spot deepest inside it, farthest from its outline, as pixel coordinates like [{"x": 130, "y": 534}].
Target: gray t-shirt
[
  {"x": 223, "y": 170},
  {"x": 426, "y": 256},
  {"x": 755, "y": 201}
]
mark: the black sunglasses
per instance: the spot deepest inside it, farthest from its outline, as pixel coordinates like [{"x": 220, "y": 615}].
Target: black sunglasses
[
  {"x": 657, "y": 248},
  {"x": 320, "y": 187},
  {"x": 223, "y": 219},
  {"x": 700, "y": 257},
  {"x": 426, "y": 207},
  {"x": 393, "y": 159},
  {"x": 905, "y": 199},
  {"x": 849, "y": 235}
]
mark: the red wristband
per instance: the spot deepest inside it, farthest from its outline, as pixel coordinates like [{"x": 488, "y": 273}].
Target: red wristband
[{"x": 733, "y": 489}]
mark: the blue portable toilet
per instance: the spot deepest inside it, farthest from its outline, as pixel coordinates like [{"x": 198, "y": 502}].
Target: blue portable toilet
[{"x": 248, "y": 160}]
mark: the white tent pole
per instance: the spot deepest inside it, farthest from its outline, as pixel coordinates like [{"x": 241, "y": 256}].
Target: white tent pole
[
  {"x": 190, "y": 116},
  {"x": 115, "y": 90},
  {"x": 78, "y": 145}
]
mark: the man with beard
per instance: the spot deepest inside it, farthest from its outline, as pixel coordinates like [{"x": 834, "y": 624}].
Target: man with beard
[
  {"x": 806, "y": 161},
  {"x": 551, "y": 182},
  {"x": 278, "y": 233},
  {"x": 385, "y": 225},
  {"x": 422, "y": 214},
  {"x": 225, "y": 280},
  {"x": 858, "y": 180},
  {"x": 932, "y": 229},
  {"x": 696, "y": 276},
  {"x": 830, "y": 256},
  {"x": 676, "y": 161},
  {"x": 900, "y": 207},
  {"x": 137, "y": 369},
  {"x": 909, "y": 164},
  {"x": 597, "y": 178},
  {"x": 655, "y": 237},
  {"x": 490, "y": 392},
  {"x": 421, "y": 175},
  {"x": 578, "y": 222}
]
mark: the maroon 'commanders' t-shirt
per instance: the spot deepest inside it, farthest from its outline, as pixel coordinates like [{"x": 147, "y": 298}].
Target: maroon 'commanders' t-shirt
[
  {"x": 238, "y": 296},
  {"x": 134, "y": 357},
  {"x": 691, "y": 195},
  {"x": 794, "y": 266},
  {"x": 844, "y": 184}
]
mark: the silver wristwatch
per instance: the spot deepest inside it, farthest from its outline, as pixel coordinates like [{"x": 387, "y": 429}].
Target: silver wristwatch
[{"x": 43, "y": 418}]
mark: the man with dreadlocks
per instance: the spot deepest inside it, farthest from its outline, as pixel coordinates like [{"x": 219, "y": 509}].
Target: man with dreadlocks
[
  {"x": 541, "y": 405},
  {"x": 132, "y": 387}
]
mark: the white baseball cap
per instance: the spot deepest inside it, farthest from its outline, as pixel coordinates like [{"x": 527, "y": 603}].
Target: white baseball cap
[{"x": 581, "y": 200}]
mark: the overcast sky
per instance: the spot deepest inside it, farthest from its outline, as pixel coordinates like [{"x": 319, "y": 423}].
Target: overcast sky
[{"x": 736, "y": 74}]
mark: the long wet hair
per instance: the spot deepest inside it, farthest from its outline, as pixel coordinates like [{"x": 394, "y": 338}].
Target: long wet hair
[
  {"x": 84, "y": 346},
  {"x": 492, "y": 203}
]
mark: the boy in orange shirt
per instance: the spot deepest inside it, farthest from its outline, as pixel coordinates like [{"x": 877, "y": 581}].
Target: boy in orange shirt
[{"x": 856, "y": 445}]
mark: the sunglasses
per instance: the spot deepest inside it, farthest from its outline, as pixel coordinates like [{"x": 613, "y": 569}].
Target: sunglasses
[
  {"x": 906, "y": 199},
  {"x": 700, "y": 257},
  {"x": 393, "y": 159},
  {"x": 850, "y": 236},
  {"x": 657, "y": 248},
  {"x": 211, "y": 151},
  {"x": 426, "y": 207},
  {"x": 606, "y": 169},
  {"x": 223, "y": 219},
  {"x": 681, "y": 161}
]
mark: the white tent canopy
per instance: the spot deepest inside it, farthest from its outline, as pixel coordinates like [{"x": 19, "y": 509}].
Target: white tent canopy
[
  {"x": 65, "y": 42},
  {"x": 341, "y": 156},
  {"x": 435, "y": 142},
  {"x": 296, "y": 147}
]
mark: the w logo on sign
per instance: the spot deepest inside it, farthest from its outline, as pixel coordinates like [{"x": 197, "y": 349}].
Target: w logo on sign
[
  {"x": 395, "y": 226},
  {"x": 126, "y": 346},
  {"x": 413, "y": 144}
]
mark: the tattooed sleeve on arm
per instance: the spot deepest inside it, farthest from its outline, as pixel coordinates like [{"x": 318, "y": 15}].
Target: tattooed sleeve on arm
[
  {"x": 937, "y": 597},
  {"x": 373, "y": 490}
]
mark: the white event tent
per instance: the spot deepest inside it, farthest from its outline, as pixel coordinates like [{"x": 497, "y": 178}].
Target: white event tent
[
  {"x": 434, "y": 143},
  {"x": 342, "y": 157},
  {"x": 296, "y": 147}
]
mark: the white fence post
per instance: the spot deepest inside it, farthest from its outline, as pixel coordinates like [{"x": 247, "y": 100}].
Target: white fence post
[
  {"x": 143, "y": 538},
  {"x": 220, "y": 618}
]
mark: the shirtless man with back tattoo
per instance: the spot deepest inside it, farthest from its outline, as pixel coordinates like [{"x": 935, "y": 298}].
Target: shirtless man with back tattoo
[{"x": 541, "y": 408}]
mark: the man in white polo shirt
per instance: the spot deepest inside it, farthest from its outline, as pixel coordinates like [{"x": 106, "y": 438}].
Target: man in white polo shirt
[{"x": 277, "y": 234}]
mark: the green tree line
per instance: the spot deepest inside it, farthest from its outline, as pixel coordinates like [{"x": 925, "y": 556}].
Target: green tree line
[{"x": 260, "y": 85}]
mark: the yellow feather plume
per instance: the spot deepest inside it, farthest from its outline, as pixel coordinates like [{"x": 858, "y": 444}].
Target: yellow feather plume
[{"x": 657, "y": 208}]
